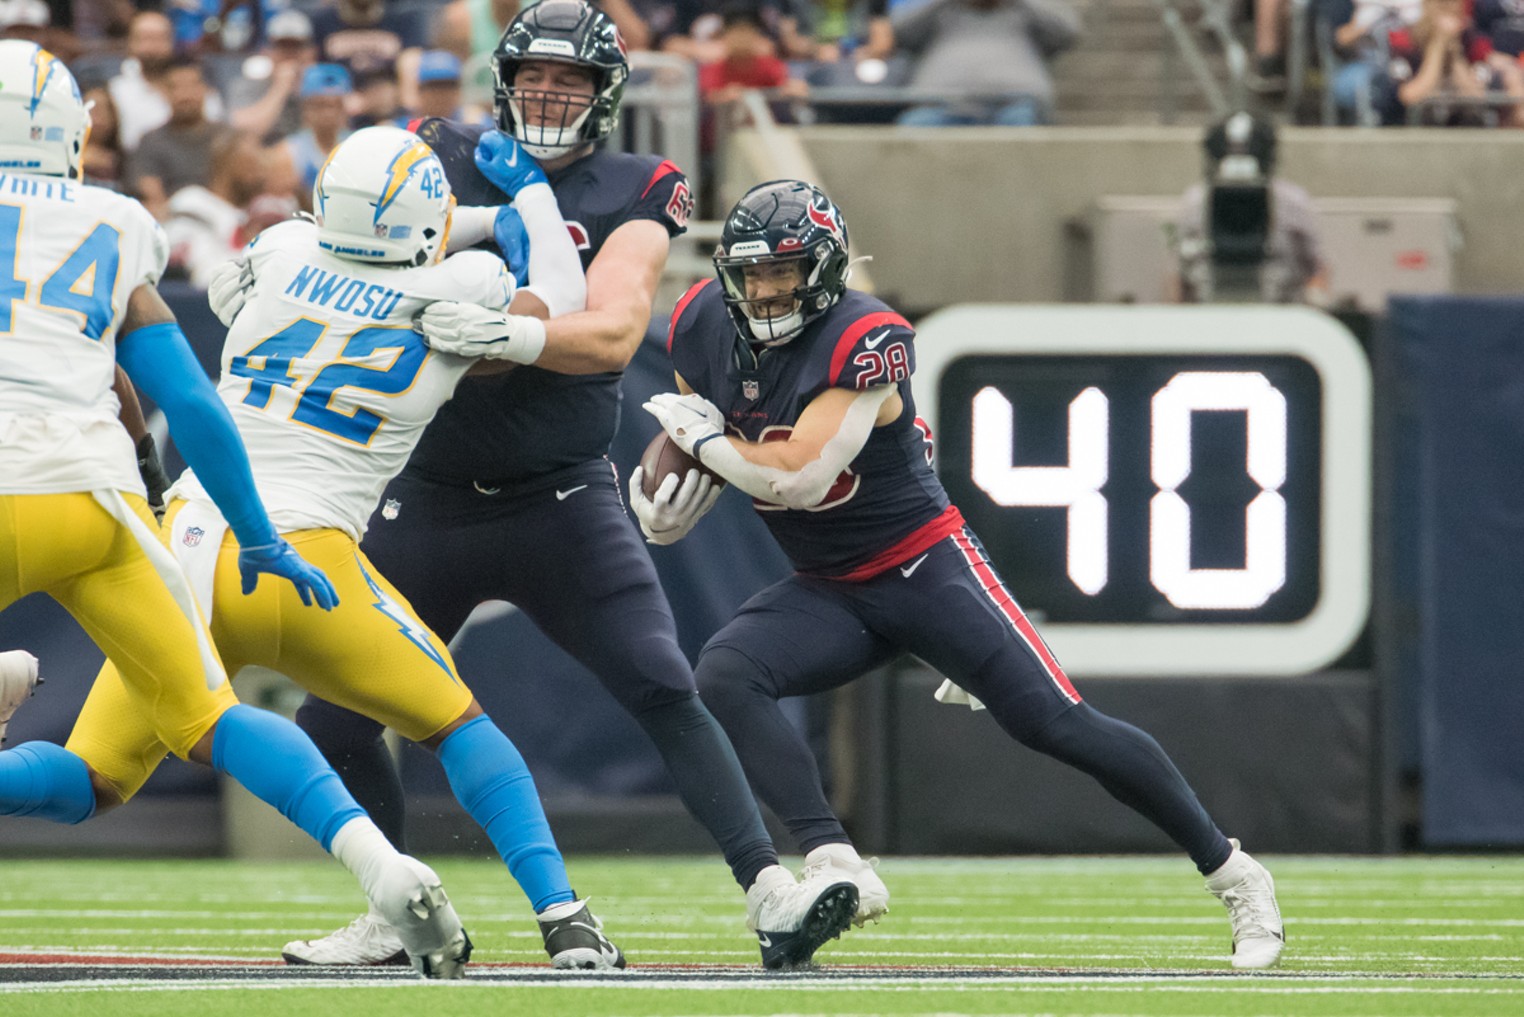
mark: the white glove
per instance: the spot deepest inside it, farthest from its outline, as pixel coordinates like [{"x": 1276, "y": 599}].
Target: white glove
[
  {"x": 469, "y": 330},
  {"x": 689, "y": 419},
  {"x": 229, "y": 289},
  {"x": 667, "y": 518}
]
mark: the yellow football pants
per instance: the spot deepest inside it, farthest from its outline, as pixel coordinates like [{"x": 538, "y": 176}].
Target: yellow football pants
[
  {"x": 370, "y": 654},
  {"x": 99, "y": 558}
]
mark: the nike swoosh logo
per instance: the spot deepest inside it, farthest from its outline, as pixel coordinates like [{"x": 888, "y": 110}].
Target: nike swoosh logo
[
  {"x": 515, "y": 160},
  {"x": 762, "y": 938},
  {"x": 563, "y": 495},
  {"x": 909, "y": 570},
  {"x": 873, "y": 343}
]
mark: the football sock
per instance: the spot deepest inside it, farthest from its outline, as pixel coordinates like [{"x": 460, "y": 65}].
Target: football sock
[
  {"x": 1133, "y": 768},
  {"x": 779, "y": 762},
  {"x": 362, "y": 849},
  {"x": 490, "y": 779},
  {"x": 711, "y": 783},
  {"x": 47, "y": 781},
  {"x": 279, "y": 765},
  {"x": 353, "y": 746}
]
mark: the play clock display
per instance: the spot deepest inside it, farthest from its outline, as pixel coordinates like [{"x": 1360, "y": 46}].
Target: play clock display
[{"x": 1165, "y": 490}]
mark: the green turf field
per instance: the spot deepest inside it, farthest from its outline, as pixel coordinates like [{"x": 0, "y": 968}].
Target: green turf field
[{"x": 1081, "y": 936}]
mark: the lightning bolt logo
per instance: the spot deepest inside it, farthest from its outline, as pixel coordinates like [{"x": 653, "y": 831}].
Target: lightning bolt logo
[
  {"x": 411, "y": 628},
  {"x": 43, "y": 64},
  {"x": 397, "y": 174}
]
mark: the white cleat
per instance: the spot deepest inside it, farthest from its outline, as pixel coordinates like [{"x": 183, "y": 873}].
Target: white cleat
[
  {"x": 835, "y": 862},
  {"x": 1245, "y": 888},
  {"x": 412, "y": 901},
  {"x": 792, "y": 920},
  {"x": 18, "y": 680},
  {"x": 365, "y": 942}
]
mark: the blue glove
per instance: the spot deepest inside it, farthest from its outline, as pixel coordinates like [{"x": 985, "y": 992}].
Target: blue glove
[
  {"x": 513, "y": 242},
  {"x": 505, "y": 163},
  {"x": 281, "y": 559}
]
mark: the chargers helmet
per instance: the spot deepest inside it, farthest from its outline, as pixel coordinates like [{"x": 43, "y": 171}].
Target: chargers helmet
[
  {"x": 382, "y": 196},
  {"x": 43, "y": 120},
  {"x": 783, "y": 221},
  {"x": 569, "y": 32}
]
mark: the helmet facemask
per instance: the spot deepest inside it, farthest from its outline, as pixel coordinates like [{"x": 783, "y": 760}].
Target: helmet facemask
[
  {"x": 557, "y": 121},
  {"x": 780, "y": 312}
]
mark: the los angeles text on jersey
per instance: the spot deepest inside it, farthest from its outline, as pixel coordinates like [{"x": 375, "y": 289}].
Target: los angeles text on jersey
[{"x": 343, "y": 294}]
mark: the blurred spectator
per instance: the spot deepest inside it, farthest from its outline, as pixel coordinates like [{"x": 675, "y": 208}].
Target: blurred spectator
[
  {"x": 749, "y": 59},
  {"x": 691, "y": 28},
  {"x": 25, "y": 19},
  {"x": 213, "y": 26},
  {"x": 1269, "y": 71},
  {"x": 139, "y": 89},
  {"x": 438, "y": 85},
  {"x": 179, "y": 153},
  {"x": 365, "y": 36},
  {"x": 995, "y": 48},
  {"x": 1286, "y": 263},
  {"x": 102, "y": 19},
  {"x": 628, "y": 19},
  {"x": 104, "y": 158},
  {"x": 326, "y": 88},
  {"x": 206, "y": 224},
  {"x": 377, "y": 100},
  {"x": 1502, "y": 21},
  {"x": 1362, "y": 41},
  {"x": 263, "y": 100},
  {"x": 1444, "y": 56},
  {"x": 469, "y": 27},
  {"x": 859, "y": 29}
]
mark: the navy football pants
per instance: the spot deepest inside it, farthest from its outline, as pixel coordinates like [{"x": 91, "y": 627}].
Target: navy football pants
[
  {"x": 561, "y": 550},
  {"x": 948, "y": 607}
]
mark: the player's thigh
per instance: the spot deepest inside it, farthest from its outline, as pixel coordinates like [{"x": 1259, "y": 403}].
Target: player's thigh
[
  {"x": 433, "y": 544},
  {"x": 46, "y": 539},
  {"x": 798, "y": 636},
  {"x": 581, "y": 573},
  {"x": 955, "y": 613},
  {"x": 114, "y": 737},
  {"x": 370, "y": 654},
  {"x": 156, "y": 639}
]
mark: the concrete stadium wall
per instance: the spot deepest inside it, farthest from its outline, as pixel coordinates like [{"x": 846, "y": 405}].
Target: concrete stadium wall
[{"x": 985, "y": 214}]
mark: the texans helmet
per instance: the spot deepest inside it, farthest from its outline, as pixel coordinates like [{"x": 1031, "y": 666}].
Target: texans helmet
[
  {"x": 567, "y": 32},
  {"x": 782, "y": 221}
]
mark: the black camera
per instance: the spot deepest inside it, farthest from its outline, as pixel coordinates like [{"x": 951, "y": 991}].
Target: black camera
[{"x": 1239, "y": 208}]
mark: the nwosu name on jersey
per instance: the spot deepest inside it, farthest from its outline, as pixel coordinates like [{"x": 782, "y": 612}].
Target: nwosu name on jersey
[
  {"x": 530, "y": 422},
  {"x": 888, "y": 504}
]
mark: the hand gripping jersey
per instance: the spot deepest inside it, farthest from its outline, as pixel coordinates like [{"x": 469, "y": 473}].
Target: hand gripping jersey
[
  {"x": 888, "y": 504},
  {"x": 531, "y": 422},
  {"x": 327, "y": 381},
  {"x": 70, "y": 256}
]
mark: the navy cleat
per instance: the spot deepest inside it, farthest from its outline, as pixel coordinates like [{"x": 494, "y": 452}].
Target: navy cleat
[{"x": 575, "y": 941}]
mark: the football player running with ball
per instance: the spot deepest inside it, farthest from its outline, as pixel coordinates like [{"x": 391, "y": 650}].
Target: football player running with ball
[
  {"x": 82, "y": 265},
  {"x": 514, "y": 472},
  {"x": 796, "y": 389}
]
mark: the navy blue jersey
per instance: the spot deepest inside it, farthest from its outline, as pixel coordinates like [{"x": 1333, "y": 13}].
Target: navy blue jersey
[
  {"x": 888, "y": 504},
  {"x": 529, "y": 422}
]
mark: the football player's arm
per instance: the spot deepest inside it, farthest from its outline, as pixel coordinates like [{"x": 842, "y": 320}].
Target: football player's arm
[
  {"x": 797, "y": 472},
  {"x": 154, "y": 353},
  {"x": 621, "y": 286},
  {"x": 150, "y": 466}
]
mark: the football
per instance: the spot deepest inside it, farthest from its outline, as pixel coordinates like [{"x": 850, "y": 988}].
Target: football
[{"x": 662, "y": 458}]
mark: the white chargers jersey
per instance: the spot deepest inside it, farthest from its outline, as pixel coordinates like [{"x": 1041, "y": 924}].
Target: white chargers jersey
[
  {"x": 327, "y": 381},
  {"x": 70, "y": 256}
]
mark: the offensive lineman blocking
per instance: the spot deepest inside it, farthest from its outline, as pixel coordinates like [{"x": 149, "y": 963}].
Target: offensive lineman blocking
[
  {"x": 330, "y": 388},
  {"x": 80, "y": 266}
]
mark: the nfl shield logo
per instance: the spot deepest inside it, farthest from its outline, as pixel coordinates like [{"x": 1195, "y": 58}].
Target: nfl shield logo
[
  {"x": 391, "y": 508},
  {"x": 751, "y": 389},
  {"x": 193, "y": 535}
]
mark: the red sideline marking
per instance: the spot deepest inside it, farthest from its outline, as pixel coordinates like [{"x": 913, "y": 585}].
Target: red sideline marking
[
  {"x": 1007, "y": 606},
  {"x": 125, "y": 960},
  {"x": 682, "y": 305},
  {"x": 856, "y": 331}
]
